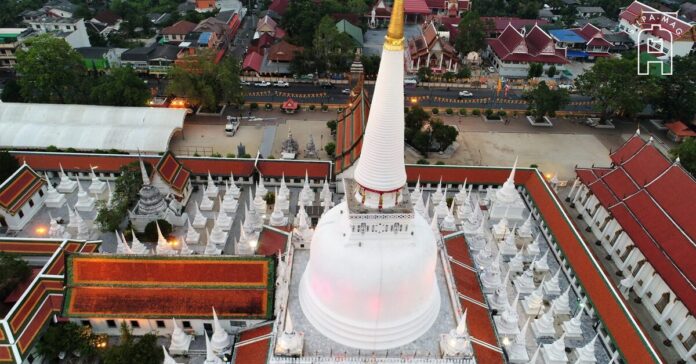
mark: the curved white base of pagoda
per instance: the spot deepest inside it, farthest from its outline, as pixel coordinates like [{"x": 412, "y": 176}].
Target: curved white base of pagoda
[{"x": 370, "y": 294}]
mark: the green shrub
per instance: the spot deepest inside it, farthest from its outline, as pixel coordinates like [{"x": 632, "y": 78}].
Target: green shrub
[
  {"x": 422, "y": 161},
  {"x": 528, "y": 113},
  {"x": 269, "y": 198},
  {"x": 489, "y": 112},
  {"x": 449, "y": 111},
  {"x": 230, "y": 155},
  {"x": 462, "y": 112},
  {"x": 439, "y": 163},
  {"x": 476, "y": 112},
  {"x": 52, "y": 149},
  {"x": 195, "y": 154},
  {"x": 254, "y": 106},
  {"x": 533, "y": 166},
  {"x": 150, "y": 234},
  {"x": 312, "y": 107},
  {"x": 435, "y": 111},
  {"x": 324, "y": 107},
  {"x": 269, "y": 106},
  {"x": 216, "y": 155},
  {"x": 502, "y": 113}
]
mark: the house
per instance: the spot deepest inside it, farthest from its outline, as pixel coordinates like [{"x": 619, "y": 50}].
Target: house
[
  {"x": 204, "y": 6},
  {"x": 283, "y": 52},
  {"x": 107, "y": 20},
  {"x": 21, "y": 196},
  {"x": 601, "y": 22},
  {"x": 513, "y": 51},
  {"x": 354, "y": 32},
  {"x": 72, "y": 30},
  {"x": 620, "y": 41},
  {"x": 154, "y": 59},
  {"x": 496, "y": 24},
  {"x": 640, "y": 210},
  {"x": 431, "y": 50},
  {"x": 218, "y": 30},
  {"x": 158, "y": 18},
  {"x": 11, "y": 39},
  {"x": 416, "y": 11},
  {"x": 100, "y": 59},
  {"x": 449, "y": 8},
  {"x": 177, "y": 32},
  {"x": 379, "y": 15},
  {"x": 547, "y": 14},
  {"x": 266, "y": 25},
  {"x": 587, "y": 42},
  {"x": 673, "y": 35},
  {"x": 252, "y": 63},
  {"x": 678, "y": 131},
  {"x": 233, "y": 21},
  {"x": 589, "y": 11}
]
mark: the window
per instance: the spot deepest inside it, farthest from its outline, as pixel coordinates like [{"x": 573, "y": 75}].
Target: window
[
  {"x": 208, "y": 327},
  {"x": 86, "y": 323},
  {"x": 30, "y": 358},
  {"x": 238, "y": 323},
  {"x": 186, "y": 324},
  {"x": 41, "y": 193},
  {"x": 160, "y": 324},
  {"x": 135, "y": 324},
  {"x": 31, "y": 203},
  {"x": 111, "y": 323},
  {"x": 20, "y": 214}
]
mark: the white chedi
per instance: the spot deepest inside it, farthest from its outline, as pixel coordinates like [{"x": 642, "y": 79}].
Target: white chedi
[
  {"x": 477, "y": 240},
  {"x": 586, "y": 354},
  {"x": 562, "y": 303},
  {"x": 163, "y": 246},
  {"x": 192, "y": 236},
  {"x": 441, "y": 207},
  {"x": 261, "y": 187},
  {"x": 121, "y": 247},
  {"x": 499, "y": 299},
  {"x": 552, "y": 286},
  {"x": 525, "y": 231},
  {"x": 211, "y": 190},
  {"x": 207, "y": 203},
  {"x": 417, "y": 193},
  {"x": 85, "y": 202},
  {"x": 507, "y": 201},
  {"x": 282, "y": 201},
  {"x": 210, "y": 357},
  {"x": 517, "y": 352},
  {"x": 232, "y": 188},
  {"x": 83, "y": 228},
  {"x": 56, "y": 230},
  {"x": 259, "y": 202},
  {"x": 516, "y": 263},
  {"x": 229, "y": 203},
  {"x": 224, "y": 221},
  {"x": 525, "y": 282},
  {"x": 220, "y": 341},
  {"x": 278, "y": 218},
  {"x": 54, "y": 199},
  {"x": 434, "y": 226},
  {"x": 448, "y": 223},
  {"x": 534, "y": 249},
  {"x": 97, "y": 187},
  {"x": 72, "y": 218},
  {"x": 325, "y": 190},
  {"x": 180, "y": 342},
  {"x": 490, "y": 278},
  {"x": 283, "y": 190},
  {"x": 167, "y": 358},
  {"x": 210, "y": 247},
  {"x": 484, "y": 258},
  {"x": 500, "y": 229},
  {"x": 507, "y": 322},
  {"x": 289, "y": 342},
  {"x": 573, "y": 327},
  {"x": 217, "y": 236},
  {"x": 184, "y": 249},
  {"x": 137, "y": 247},
  {"x": 437, "y": 196},
  {"x": 199, "y": 220},
  {"x": 306, "y": 194},
  {"x": 419, "y": 206},
  {"x": 66, "y": 185},
  {"x": 461, "y": 195},
  {"x": 543, "y": 326},
  {"x": 457, "y": 343},
  {"x": 509, "y": 244},
  {"x": 554, "y": 353},
  {"x": 303, "y": 231},
  {"x": 541, "y": 264},
  {"x": 533, "y": 303}
]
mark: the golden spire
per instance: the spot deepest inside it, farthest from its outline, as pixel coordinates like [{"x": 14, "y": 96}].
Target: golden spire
[{"x": 394, "y": 40}]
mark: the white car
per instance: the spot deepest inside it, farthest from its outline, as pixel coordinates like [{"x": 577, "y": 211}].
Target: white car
[
  {"x": 566, "y": 86},
  {"x": 465, "y": 93},
  {"x": 281, "y": 84},
  {"x": 345, "y": 91},
  {"x": 262, "y": 84},
  {"x": 491, "y": 70},
  {"x": 245, "y": 83}
]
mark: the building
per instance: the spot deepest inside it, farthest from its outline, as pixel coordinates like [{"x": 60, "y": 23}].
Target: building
[
  {"x": 172, "y": 178},
  {"x": 106, "y": 21},
  {"x": 673, "y": 36},
  {"x": 178, "y": 31},
  {"x": 218, "y": 33},
  {"x": 647, "y": 230},
  {"x": 678, "y": 131},
  {"x": 513, "y": 51},
  {"x": 495, "y": 25},
  {"x": 351, "y": 122},
  {"x": 204, "y": 6},
  {"x": 354, "y": 32},
  {"x": 72, "y": 30},
  {"x": 586, "y": 43},
  {"x": 432, "y": 50},
  {"x": 100, "y": 59},
  {"x": 155, "y": 59},
  {"x": 449, "y": 8},
  {"x": 589, "y": 11},
  {"x": 21, "y": 196},
  {"x": 35, "y": 303},
  {"x": 267, "y": 26},
  {"x": 11, "y": 39},
  {"x": 53, "y": 8}
]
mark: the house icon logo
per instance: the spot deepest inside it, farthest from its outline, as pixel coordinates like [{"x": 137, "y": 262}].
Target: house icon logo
[{"x": 655, "y": 44}]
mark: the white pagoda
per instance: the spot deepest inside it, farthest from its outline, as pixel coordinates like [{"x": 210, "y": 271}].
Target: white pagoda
[
  {"x": 354, "y": 261},
  {"x": 506, "y": 201}
]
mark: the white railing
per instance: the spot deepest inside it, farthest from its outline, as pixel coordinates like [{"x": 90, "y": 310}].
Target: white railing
[{"x": 366, "y": 359}]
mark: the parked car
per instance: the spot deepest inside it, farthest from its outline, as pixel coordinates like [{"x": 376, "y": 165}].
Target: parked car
[
  {"x": 282, "y": 84},
  {"x": 262, "y": 84},
  {"x": 245, "y": 83},
  {"x": 465, "y": 93},
  {"x": 345, "y": 91},
  {"x": 566, "y": 86}
]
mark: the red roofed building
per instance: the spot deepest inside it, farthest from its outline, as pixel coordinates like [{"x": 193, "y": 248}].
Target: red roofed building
[
  {"x": 644, "y": 23},
  {"x": 678, "y": 131},
  {"x": 379, "y": 15},
  {"x": 171, "y": 177},
  {"x": 21, "y": 196},
  {"x": 252, "y": 62},
  {"x": 513, "y": 51},
  {"x": 290, "y": 106},
  {"x": 178, "y": 31},
  {"x": 648, "y": 230},
  {"x": 147, "y": 291},
  {"x": 352, "y": 121},
  {"x": 495, "y": 25},
  {"x": 449, "y": 8},
  {"x": 279, "y": 7},
  {"x": 432, "y": 51},
  {"x": 283, "y": 52}
]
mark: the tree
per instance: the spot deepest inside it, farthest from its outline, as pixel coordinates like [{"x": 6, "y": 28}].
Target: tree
[
  {"x": 424, "y": 73},
  {"x": 415, "y": 117},
  {"x": 13, "y": 271},
  {"x": 143, "y": 351},
  {"x": 12, "y": 92},
  {"x": 200, "y": 79},
  {"x": 544, "y": 101},
  {"x": 615, "y": 87},
  {"x": 150, "y": 233},
  {"x": 464, "y": 72},
  {"x": 126, "y": 190},
  {"x": 551, "y": 71},
  {"x": 68, "y": 338},
  {"x": 443, "y": 135},
  {"x": 51, "y": 71},
  {"x": 300, "y": 21},
  {"x": 332, "y": 125},
  {"x": 370, "y": 64},
  {"x": 122, "y": 87},
  {"x": 8, "y": 165},
  {"x": 535, "y": 70},
  {"x": 471, "y": 36},
  {"x": 331, "y": 47},
  {"x": 686, "y": 151},
  {"x": 676, "y": 94},
  {"x": 330, "y": 149}
]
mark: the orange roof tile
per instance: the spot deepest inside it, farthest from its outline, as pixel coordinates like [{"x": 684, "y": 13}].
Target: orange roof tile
[
  {"x": 173, "y": 172},
  {"x": 19, "y": 188}
]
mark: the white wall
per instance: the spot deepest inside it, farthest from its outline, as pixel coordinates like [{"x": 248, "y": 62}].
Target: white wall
[{"x": 15, "y": 222}]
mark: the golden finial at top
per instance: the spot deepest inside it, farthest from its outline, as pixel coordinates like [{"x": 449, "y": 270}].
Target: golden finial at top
[{"x": 395, "y": 34}]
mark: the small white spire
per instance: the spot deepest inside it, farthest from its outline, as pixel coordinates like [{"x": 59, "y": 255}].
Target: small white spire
[{"x": 143, "y": 171}]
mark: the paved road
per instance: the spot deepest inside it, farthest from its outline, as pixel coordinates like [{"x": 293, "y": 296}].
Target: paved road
[{"x": 428, "y": 97}]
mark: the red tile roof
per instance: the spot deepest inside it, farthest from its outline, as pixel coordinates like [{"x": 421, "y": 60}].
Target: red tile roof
[
  {"x": 501, "y": 22},
  {"x": 173, "y": 172},
  {"x": 675, "y": 192},
  {"x": 283, "y": 52},
  {"x": 182, "y": 27},
  {"x": 628, "y": 149},
  {"x": 350, "y": 129},
  {"x": 535, "y": 46},
  {"x": 646, "y": 165},
  {"x": 107, "y": 17},
  {"x": 253, "y": 345},
  {"x": 294, "y": 169},
  {"x": 252, "y": 61},
  {"x": 645, "y": 16},
  {"x": 416, "y": 7},
  {"x": 19, "y": 188},
  {"x": 133, "y": 286},
  {"x": 680, "y": 129},
  {"x": 620, "y": 183},
  {"x": 272, "y": 240},
  {"x": 279, "y": 6},
  {"x": 290, "y": 104}
]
